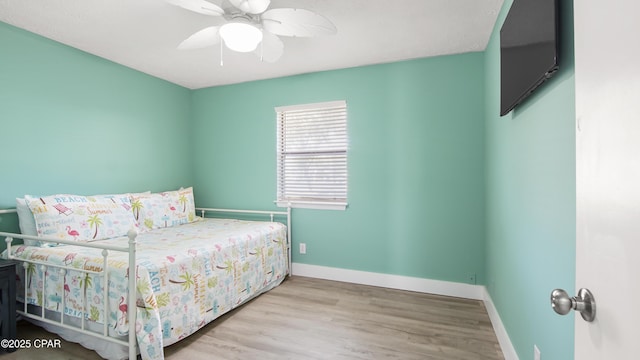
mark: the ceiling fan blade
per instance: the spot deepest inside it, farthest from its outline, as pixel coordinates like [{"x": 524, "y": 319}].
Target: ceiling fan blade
[
  {"x": 296, "y": 22},
  {"x": 251, "y": 6},
  {"x": 206, "y": 37},
  {"x": 199, "y": 6},
  {"x": 271, "y": 48}
]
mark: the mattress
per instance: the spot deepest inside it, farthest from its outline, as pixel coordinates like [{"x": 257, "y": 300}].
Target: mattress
[{"x": 187, "y": 276}]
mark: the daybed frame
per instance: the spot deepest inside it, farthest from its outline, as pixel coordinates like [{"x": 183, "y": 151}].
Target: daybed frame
[{"x": 131, "y": 342}]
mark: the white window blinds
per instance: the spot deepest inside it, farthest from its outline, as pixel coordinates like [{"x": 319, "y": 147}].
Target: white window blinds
[{"x": 312, "y": 155}]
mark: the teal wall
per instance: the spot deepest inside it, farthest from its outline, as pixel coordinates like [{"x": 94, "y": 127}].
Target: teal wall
[
  {"x": 74, "y": 122},
  {"x": 416, "y": 178},
  {"x": 530, "y": 197}
]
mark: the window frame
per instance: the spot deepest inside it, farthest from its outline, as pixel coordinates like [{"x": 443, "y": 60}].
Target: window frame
[{"x": 340, "y": 139}]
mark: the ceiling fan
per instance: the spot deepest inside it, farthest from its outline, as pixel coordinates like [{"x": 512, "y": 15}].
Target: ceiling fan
[{"x": 249, "y": 23}]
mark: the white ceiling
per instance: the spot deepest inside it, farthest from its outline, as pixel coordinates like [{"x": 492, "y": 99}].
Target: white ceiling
[{"x": 144, "y": 34}]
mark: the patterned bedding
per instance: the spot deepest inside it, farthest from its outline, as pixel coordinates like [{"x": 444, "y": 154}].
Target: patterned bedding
[{"x": 187, "y": 276}]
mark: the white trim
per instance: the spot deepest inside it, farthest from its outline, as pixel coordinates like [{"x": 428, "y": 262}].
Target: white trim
[
  {"x": 312, "y": 205},
  {"x": 399, "y": 282},
  {"x": 429, "y": 286},
  {"x": 313, "y": 106},
  {"x": 508, "y": 350}
]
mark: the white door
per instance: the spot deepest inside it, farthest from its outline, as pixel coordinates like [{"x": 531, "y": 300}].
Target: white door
[{"x": 607, "y": 76}]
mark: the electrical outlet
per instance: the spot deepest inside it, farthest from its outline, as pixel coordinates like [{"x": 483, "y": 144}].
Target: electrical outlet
[
  {"x": 303, "y": 248},
  {"x": 471, "y": 278},
  {"x": 536, "y": 352}
]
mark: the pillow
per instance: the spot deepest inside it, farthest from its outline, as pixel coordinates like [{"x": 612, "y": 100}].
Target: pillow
[
  {"x": 82, "y": 218},
  {"x": 165, "y": 209},
  {"x": 26, "y": 221}
]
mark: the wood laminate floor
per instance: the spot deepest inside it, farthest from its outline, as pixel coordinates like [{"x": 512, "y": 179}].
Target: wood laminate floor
[{"x": 308, "y": 318}]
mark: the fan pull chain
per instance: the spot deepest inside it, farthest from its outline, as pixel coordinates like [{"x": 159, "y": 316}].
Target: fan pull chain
[
  {"x": 221, "y": 60},
  {"x": 262, "y": 47}
]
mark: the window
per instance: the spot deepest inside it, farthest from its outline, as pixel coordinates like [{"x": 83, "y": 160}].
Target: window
[{"x": 312, "y": 155}]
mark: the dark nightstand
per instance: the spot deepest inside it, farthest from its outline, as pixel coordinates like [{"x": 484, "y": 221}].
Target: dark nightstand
[{"x": 7, "y": 300}]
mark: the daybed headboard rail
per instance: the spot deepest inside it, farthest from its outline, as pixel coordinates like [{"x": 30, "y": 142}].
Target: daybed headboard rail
[
  {"x": 130, "y": 249},
  {"x": 271, "y": 214}
]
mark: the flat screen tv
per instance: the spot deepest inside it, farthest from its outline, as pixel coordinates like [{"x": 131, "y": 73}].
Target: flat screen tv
[{"x": 529, "y": 46}]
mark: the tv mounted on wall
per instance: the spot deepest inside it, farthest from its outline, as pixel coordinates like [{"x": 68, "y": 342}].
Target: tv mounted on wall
[{"x": 529, "y": 46}]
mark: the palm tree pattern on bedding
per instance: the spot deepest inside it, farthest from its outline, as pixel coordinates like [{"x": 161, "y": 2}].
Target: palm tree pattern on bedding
[{"x": 187, "y": 276}]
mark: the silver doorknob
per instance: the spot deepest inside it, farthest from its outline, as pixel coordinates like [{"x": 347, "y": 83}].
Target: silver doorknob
[{"x": 584, "y": 303}]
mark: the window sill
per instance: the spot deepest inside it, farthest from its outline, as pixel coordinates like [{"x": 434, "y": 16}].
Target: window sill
[{"x": 312, "y": 205}]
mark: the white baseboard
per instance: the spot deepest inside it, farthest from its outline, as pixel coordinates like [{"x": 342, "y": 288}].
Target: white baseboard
[
  {"x": 438, "y": 287},
  {"x": 508, "y": 350},
  {"x": 400, "y": 282}
]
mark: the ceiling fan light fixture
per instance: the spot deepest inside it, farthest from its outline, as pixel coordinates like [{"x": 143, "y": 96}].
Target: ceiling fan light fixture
[{"x": 240, "y": 37}]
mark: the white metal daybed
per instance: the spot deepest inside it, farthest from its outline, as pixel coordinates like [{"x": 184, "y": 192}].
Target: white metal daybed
[{"x": 186, "y": 276}]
